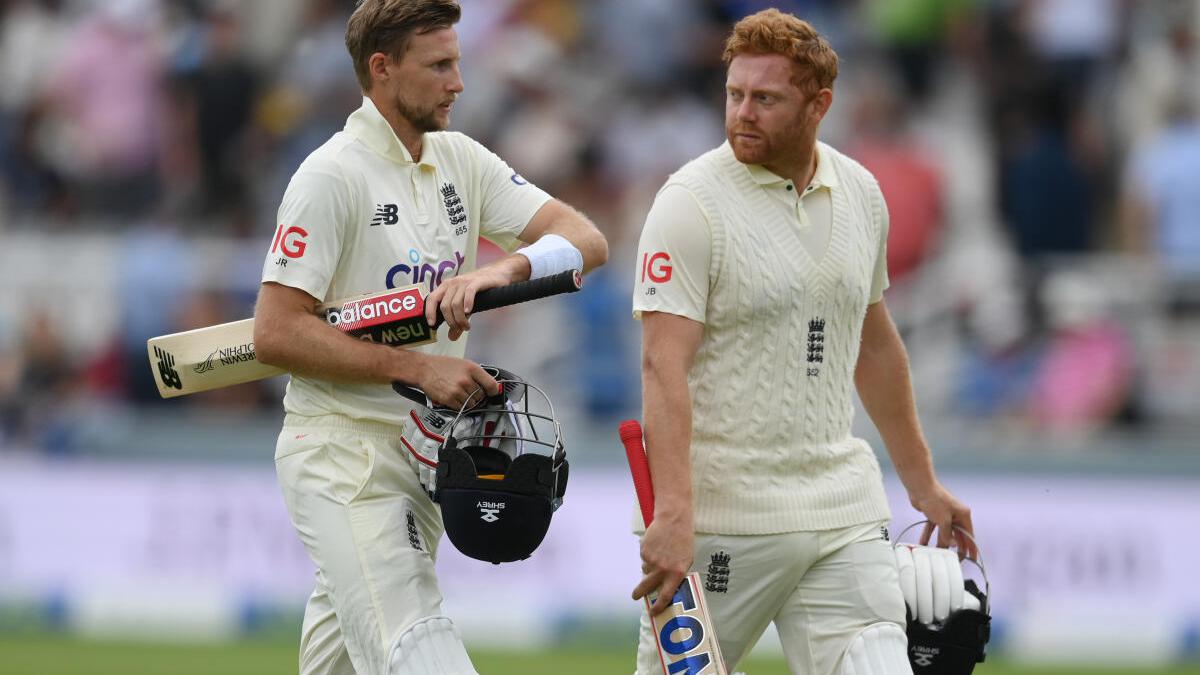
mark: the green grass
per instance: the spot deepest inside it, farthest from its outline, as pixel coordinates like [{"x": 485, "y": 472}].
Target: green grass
[{"x": 58, "y": 655}]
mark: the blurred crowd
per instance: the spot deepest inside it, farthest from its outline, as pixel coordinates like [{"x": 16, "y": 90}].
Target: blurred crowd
[{"x": 1040, "y": 159}]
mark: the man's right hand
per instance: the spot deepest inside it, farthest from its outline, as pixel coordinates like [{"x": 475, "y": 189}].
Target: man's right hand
[
  {"x": 667, "y": 553},
  {"x": 450, "y": 381}
]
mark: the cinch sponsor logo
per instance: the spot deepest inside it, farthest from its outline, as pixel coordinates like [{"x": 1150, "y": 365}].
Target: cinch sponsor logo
[
  {"x": 656, "y": 266},
  {"x": 227, "y": 356},
  {"x": 374, "y": 311},
  {"x": 290, "y": 242},
  {"x": 416, "y": 272}
]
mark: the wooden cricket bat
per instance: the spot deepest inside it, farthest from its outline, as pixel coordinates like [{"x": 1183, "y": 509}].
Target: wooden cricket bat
[
  {"x": 223, "y": 355},
  {"x": 686, "y": 637}
]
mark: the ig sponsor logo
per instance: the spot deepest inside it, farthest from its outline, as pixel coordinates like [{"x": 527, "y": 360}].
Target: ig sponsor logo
[
  {"x": 290, "y": 242},
  {"x": 656, "y": 267}
]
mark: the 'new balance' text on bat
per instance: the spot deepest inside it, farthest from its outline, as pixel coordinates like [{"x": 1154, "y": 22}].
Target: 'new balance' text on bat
[{"x": 223, "y": 355}]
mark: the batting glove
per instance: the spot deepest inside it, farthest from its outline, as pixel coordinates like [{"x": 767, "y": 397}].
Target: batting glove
[
  {"x": 423, "y": 437},
  {"x": 931, "y": 580}
]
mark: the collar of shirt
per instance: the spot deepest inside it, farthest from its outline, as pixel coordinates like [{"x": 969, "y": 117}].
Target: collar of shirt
[
  {"x": 369, "y": 126},
  {"x": 823, "y": 177}
]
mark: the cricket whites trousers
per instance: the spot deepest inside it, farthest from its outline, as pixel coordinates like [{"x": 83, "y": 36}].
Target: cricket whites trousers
[
  {"x": 820, "y": 588},
  {"x": 372, "y": 533}
]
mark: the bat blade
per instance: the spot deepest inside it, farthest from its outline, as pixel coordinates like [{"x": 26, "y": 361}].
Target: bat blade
[
  {"x": 206, "y": 358},
  {"x": 223, "y": 355},
  {"x": 684, "y": 631}
]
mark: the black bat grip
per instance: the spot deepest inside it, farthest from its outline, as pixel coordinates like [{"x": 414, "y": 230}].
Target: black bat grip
[
  {"x": 503, "y": 296},
  {"x": 524, "y": 291},
  {"x": 412, "y": 393}
]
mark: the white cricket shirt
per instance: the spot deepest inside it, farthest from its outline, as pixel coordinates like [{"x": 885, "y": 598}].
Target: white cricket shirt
[{"x": 360, "y": 216}]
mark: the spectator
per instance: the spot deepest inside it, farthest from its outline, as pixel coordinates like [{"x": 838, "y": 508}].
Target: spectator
[
  {"x": 1085, "y": 377},
  {"x": 223, "y": 92},
  {"x": 1047, "y": 192},
  {"x": 1161, "y": 211},
  {"x": 1160, "y": 70},
  {"x": 107, "y": 94},
  {"x": 910, "y": 181},
  {"x": 914, "y": 34},
  {"x": 31, "y": 35}
]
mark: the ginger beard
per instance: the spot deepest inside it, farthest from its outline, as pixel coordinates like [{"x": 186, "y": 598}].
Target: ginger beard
[{"x": 769, "y": 120}]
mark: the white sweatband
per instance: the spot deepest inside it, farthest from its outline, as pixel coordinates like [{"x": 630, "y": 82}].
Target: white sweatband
[{"x": 551, "y": 254}]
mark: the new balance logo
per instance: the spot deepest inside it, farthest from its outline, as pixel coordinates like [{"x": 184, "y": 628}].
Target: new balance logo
[
  {"x": 166, "y": 369},
  {"x": 435, "y": 421},
  {"x": 386, "y": 214}
]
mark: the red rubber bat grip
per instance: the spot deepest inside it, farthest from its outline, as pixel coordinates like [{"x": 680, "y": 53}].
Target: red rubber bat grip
[{"x": 635, "y": 452}]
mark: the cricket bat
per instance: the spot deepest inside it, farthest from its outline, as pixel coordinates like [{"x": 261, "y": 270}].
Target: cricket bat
[
  {"x": 223, "y": 355},
  {"x": 687, "y": 641}
]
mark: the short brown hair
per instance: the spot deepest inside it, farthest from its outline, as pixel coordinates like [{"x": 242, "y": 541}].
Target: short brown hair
[
  {"x": 387, "y": 25},
  {"x": 774, "y": 32}
]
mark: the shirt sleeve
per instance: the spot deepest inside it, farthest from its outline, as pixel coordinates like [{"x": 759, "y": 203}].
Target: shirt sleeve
[
  {"x": 307, "y": 242},
  {"x": 879, "y": 278},
  {"x": 509, "y": 201},
  {"x": 672, "y": 273}
]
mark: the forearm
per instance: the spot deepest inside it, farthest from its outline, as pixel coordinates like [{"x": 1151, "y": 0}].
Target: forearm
[
  {"x": 303, "y": 344},
  {"x": 584, "y": 236},
  {"x": 667, "y": 411},
  {"x": 559, "y": 218},
  {"x": 885, "y": 387}
]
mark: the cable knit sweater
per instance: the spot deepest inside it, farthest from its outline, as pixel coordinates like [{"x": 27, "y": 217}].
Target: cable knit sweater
[{"x": 771, "y": 383}]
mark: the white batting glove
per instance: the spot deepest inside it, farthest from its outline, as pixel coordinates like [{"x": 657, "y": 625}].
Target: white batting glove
[
  {"x": 496, "y": 429},
  {"x": 422, "y": 438},
  {"x": 931, "y": 580}
]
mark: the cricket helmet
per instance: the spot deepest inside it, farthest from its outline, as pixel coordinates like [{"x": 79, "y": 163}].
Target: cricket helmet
[
  {"x": 952, "y": 646},
  {"x": 502, "y": 472}
]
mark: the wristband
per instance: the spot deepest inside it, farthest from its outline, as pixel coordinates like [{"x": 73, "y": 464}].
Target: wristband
[{"x": 551, "y": 254}]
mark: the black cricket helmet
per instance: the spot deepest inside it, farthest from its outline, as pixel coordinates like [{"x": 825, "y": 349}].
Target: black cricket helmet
[
  {"x": 953, "y": 646},
  {"x": 502, "y": 472}
]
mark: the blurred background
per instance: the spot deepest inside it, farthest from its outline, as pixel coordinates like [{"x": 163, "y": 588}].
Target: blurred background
[{"x": 1041, "y": 162}]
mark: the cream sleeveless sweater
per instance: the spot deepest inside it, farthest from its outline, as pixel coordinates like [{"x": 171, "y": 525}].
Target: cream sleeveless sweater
[{"x": 771, "y": 382}]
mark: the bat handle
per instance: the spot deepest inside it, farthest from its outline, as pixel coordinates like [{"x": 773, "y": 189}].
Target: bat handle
[
  {"x": 523, "y": 291},
  {"x": 635, "y": 452},
  {"x": 412, "y": 393}
]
